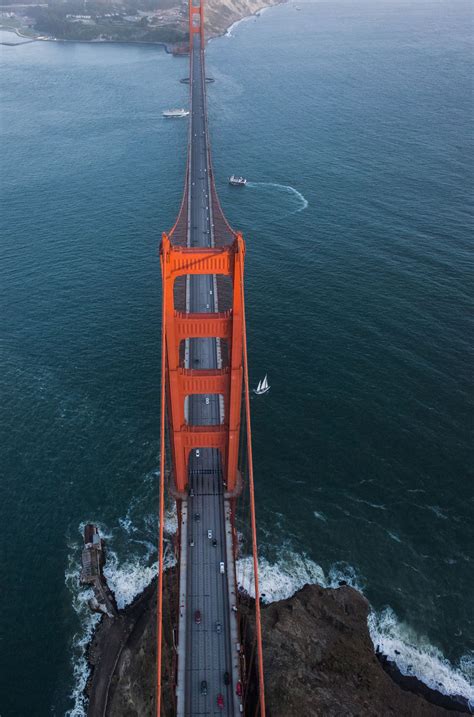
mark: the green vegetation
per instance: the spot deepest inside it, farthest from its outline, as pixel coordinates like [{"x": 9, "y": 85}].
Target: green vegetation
[{"x": 86, "y": 20}]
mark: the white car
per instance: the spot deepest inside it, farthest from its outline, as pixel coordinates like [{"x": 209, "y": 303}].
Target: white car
[
  {"x": 222, "y": 568},
  {"x": 197, "y": 452},
  {"x": 209, "y": 534}
]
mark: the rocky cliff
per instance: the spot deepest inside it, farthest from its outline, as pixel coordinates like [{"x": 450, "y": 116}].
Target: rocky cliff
[
  {"x": 221, "y": 14},
  {"x": 319, "y": 660}
]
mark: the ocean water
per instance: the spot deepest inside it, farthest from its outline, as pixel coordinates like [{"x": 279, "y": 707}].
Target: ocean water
[{"x": 351, "y": 121}]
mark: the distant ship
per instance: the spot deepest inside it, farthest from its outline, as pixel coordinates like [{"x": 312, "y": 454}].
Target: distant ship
[
  {"x": 176, "y": 113},
  {"x": 262, "y": 387},
  {"x": 237, "y": 181}
]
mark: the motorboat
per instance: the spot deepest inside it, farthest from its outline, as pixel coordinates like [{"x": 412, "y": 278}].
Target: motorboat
[
  {"x": 237, "y": 181},
  {"x": 175, "y": 114}
]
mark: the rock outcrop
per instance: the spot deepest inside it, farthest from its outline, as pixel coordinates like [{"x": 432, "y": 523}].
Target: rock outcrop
[
  {"x": 319, "y": 660},
  {"x": 221, "y": 14}
]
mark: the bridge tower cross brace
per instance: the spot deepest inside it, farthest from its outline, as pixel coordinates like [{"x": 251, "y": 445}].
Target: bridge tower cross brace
[
  {"x": 196, "y": 20},
  {"x": 182, "y": 382}
]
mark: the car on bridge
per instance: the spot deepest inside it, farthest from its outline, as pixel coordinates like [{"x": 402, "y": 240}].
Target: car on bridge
[
  {"x": 222, "y": 568},
  {"x": 220, "y": 701},
  {"x": 203, "y": 687},
  {"x": 197, "y": 617}
]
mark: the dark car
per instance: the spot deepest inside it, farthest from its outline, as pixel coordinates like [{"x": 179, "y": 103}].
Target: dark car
[
  {"x": 214, "y": 543},
  {"x": 203, "y": 687},
  {"x": 197, "y": 516},
  {"x": 197, "y": 617},
  {"x": 226, "y": 678}
]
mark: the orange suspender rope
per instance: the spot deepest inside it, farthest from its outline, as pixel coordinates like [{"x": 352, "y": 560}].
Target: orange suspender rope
[
  {"x": 159, "y": 608},
  {"x": 258, "y": 624}
]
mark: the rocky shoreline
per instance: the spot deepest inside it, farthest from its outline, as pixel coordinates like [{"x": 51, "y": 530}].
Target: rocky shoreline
[
  {"x": 221, "y": 15},
  {"x": 318, "y": 655}
]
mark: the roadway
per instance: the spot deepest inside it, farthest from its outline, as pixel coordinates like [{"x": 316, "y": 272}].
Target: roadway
[{"x": 207, "y": 647}]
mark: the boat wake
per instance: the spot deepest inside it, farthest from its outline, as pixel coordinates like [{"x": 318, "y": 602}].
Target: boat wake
[{"x": 300, "y": 202}]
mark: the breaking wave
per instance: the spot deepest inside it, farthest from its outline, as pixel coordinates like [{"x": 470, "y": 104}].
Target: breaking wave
[
  {"x": 131, "y": 565},
  {"x": 413, "y": 654},
  {"x": 230, "y": 30},
  {"x": 280, "y": 580},
  {"x": 88, "y": 621}
]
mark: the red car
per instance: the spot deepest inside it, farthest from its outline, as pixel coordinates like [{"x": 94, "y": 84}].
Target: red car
[
  {"x": 197, "y": 617},
  {"x": 220, "y": 701},
  {"x": 238, "y": 689}
]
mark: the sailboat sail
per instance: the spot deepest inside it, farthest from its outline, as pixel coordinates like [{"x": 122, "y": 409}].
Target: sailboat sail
[{"x": 262, "y": 386}]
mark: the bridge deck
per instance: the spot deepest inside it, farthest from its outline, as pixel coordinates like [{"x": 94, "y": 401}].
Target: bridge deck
[{"x": 207, "y": 648}]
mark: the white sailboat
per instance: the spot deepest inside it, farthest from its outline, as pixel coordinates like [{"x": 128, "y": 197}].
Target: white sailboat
[{"x": 262, "y": 387}]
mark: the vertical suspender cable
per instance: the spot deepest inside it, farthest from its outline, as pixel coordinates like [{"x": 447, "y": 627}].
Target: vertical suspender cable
[
  {"x": 159, "y": 607},
  {"x": 258, "y": 624}
]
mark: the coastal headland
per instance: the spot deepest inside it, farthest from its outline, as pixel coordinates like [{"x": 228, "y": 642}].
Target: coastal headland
[
  {"x": 134, "y": 21},
  {"x": 319, "y": 660}
]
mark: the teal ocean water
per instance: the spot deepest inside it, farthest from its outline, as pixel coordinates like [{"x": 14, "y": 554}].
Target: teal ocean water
[{"x": 351, "y": 121}]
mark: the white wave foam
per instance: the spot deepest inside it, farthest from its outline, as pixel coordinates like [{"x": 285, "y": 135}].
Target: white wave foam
[
  {"x": 286, "y": 188},
  {"x": 259, "y": 13},
  {"x": 414, "y": 655},
  {"x": 126, "y": 577},
  {"x": 88, "y": 621},
  {"x": 437, "y": 511},
  {"x": 127, "y": 525},
  {"x": 377, "y": 506},
  {"x": 171, "y": 520},
  {"x": 229, "y": 31},
  {"x": 394, "y": 536},
  {"x": 279, "y": 581},
  {"x": 319, "y": 516}
]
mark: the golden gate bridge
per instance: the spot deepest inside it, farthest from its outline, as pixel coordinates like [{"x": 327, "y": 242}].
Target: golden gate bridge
[{"x": 206, "y": 443}]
